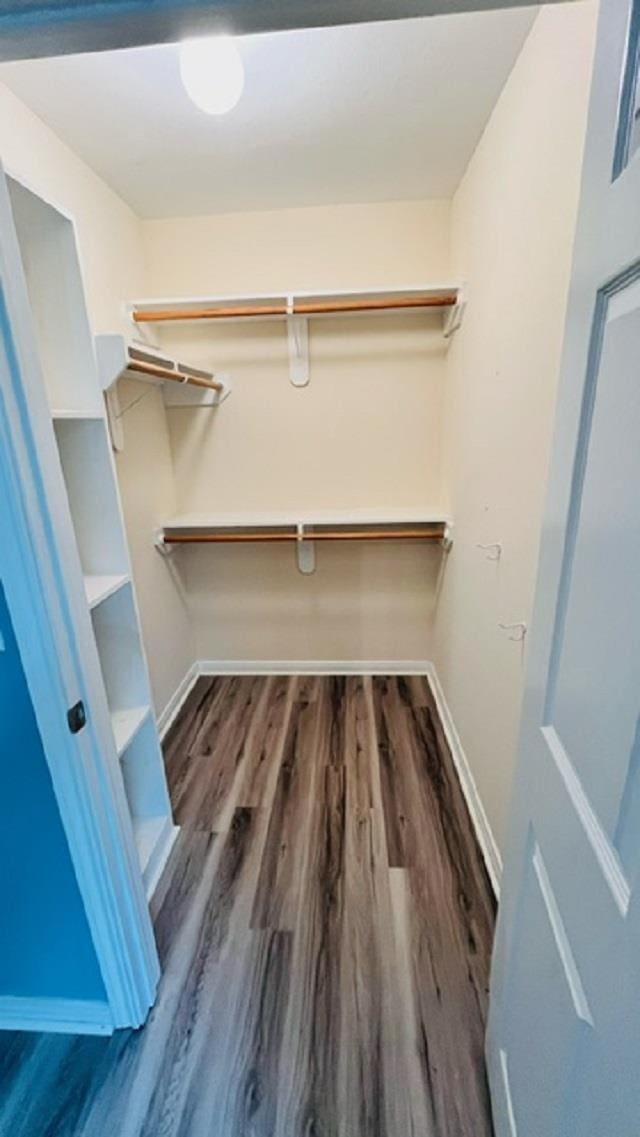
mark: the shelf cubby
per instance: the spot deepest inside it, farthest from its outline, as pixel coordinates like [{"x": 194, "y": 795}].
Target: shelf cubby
[
  {"x": 122, "y": 664},
  {"x": 84, "y": 449},
  {"x": 146, "y": 794},
  {"x": 54, "y": 282}
]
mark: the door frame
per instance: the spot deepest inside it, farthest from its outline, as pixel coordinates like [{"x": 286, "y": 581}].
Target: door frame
[
  {"x": 51, "y": 633},
  {"x": 93, "y": 25}
]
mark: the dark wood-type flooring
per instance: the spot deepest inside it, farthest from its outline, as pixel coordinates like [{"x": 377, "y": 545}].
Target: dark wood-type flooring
[{"x": 324, "y": 926}]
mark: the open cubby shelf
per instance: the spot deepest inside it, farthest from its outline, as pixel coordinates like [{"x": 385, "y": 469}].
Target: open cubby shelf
[
  {"x": 126, "y": 725},
  {"x": 54, "y": 282},
  {"x": 99, "y": 587},
  {"x": 145, "y": 788},
  {"x": 85, "y": 457}
]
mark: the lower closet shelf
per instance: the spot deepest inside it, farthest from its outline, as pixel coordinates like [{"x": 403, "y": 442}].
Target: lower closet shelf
[{"x": 126, "y": 725}]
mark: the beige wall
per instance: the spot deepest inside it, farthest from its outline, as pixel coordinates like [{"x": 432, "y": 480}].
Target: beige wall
[
  {"x": 512, "y": 233},
  {"x": 109, "y": 234},
  {"x": 367, "y": 431},
  {"x": 112, "y": 257},
  {"x": 145, "y": 475},
  {"x": 364, "y": 434}
]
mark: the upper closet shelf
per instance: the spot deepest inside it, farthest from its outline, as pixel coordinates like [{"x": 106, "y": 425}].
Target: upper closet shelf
[
  {"x": 297, "y": 307},
  {"x": 269, "y": 306}
]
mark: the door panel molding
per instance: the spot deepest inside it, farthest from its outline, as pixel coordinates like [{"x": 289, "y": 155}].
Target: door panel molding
[
  {"x": 603, "y": 849},
  {"x": 572, "y": 975}
]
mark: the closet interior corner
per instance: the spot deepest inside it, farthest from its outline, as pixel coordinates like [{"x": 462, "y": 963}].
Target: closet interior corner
[{"x": 286, "y": 379}]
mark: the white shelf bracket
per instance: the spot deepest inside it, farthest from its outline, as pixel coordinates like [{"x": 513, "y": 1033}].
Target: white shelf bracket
[
  {"x": 146, "y": 335},
  {"x": 160, "y": 545},
  {"x": 298, "y": 338},
  {"x": 306, "y": 552},
  {"x": 114, "y": 418},
  {"x": 455, "y": 314}
]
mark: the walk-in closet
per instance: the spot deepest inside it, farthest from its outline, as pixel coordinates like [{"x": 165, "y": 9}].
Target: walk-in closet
[{"x": 278, "y": 393}]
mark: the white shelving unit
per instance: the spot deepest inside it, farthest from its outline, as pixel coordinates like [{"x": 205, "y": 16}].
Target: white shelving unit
[{"x": 103, "y": 573}]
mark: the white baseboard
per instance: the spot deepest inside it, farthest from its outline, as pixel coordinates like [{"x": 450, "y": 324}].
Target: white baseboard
[
  {"x": 314, "y": 667},
  {"x": 483, "y": 831},
  {"x": 170, "y": 712},
  {"x": 57, "y": 1016}
]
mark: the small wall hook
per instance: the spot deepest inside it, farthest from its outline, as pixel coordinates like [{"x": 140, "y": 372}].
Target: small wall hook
[
  {"x": 519, "y": 629},
  {"x": 496, "y": 546}
]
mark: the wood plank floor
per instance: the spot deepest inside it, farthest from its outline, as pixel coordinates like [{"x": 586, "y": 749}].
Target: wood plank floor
[{"x": 324, "y": 924}]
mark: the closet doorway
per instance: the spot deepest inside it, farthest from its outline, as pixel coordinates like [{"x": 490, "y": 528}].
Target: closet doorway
[{"x": 289, "y": 309}]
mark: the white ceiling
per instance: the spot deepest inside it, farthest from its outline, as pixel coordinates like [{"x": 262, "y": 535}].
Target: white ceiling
[{"x": 367, "y": 112}]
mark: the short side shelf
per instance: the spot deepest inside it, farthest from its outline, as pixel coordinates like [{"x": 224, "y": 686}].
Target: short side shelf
[
  {"x": 101, "y": 587},
  {"x": 126, "y": 725}
]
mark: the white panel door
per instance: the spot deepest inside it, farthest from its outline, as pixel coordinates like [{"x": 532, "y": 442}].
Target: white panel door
[{"x": 564, "y": 1030}]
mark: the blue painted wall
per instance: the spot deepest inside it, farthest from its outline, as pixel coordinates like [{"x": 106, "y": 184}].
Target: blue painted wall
[{"x": 45, "y": 942}]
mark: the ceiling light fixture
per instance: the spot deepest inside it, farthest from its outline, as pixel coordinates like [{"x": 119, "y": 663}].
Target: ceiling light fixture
[{"x": 212, "y": 72}]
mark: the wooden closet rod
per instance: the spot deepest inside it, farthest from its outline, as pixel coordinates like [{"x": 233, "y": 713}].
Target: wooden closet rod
[
  {"x": 299, "y": 308},
  {"x": 326, "y": 535},
  {"x": 159, "y": 372}
]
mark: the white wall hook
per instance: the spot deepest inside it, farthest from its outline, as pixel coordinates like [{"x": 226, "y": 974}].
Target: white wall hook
[
  {"x": 493, "y": 550},
  {"x": 519, "y": 629}
]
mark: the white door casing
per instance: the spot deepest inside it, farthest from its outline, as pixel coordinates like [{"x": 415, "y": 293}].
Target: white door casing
[{"x": 563, "y": 1044}]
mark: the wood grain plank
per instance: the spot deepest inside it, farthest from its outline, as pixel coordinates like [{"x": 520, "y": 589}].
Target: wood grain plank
[
  {"x": 449, "y": 938},
  {"x": 264, "y": 741},
  {"x": 182, "y": 736},
  {"x": 234, "y": 1089},
  {"x": 390, "y": 721},
  {"x": 279, "y": 882},
  {"x": 308, "y": 1101},
  {"x": 206, "y": 800},
  {"x": 144, "y": 1088},
  {"x": 367, "y": 1067},
  {"x": 221, "y": 936},
  {"x": 184, "y": 743}
]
